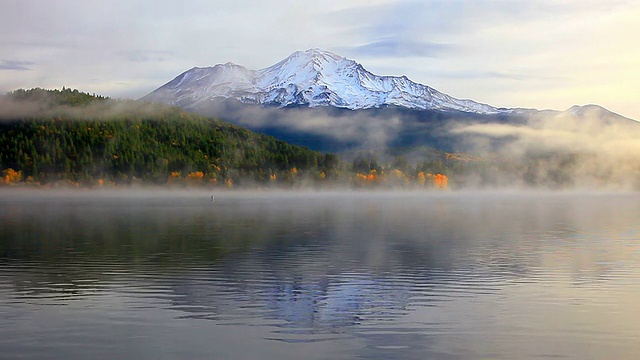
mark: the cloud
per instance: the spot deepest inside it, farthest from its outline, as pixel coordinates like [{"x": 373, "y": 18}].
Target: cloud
[
  {"x": 362, "y": 130},
  {"x": 15, "y": 65},
  {"x": 499, "y": 75},
  {"x": 589, "y": 149},
  {"x": 589, "y": 129},
  {"x": 399, "y": 48},
  {"x": 147, "y": 55}
]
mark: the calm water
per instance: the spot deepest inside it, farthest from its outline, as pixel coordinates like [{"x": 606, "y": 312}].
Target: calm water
[{"x": 167, "y": 275}]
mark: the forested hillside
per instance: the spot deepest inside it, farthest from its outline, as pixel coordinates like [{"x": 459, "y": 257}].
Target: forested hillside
[
  {"x": 73, "y": 138},
  {"x": 69, "y": 138}
]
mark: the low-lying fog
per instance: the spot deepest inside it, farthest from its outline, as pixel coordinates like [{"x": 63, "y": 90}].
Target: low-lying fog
[{"x": 338, "y": 274}]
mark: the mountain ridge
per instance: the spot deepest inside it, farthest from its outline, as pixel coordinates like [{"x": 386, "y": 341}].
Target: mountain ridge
[
  {"x": 330, "y": 103},
  {"x": 310, "y": 78}
]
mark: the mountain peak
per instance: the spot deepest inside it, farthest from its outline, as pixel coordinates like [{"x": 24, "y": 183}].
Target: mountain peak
[
  {"x": 311, "y": 60},
  {"x": 313, "y": 77},
  {"x": 229, "y": 64},
  {"x": 319, "y": 54},
  {"x": 231, "y": 68}
]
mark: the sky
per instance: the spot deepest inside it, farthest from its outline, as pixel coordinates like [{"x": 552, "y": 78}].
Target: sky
[{"x": 544, "y": 54}]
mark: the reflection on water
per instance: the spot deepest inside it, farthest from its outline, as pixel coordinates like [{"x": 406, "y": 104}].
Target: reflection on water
[{"x": 325, "y": 275}]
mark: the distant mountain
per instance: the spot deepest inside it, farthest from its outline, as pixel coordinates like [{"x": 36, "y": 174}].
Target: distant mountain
[
  {"x": 324, "y": 101},
  {"x": 311, "y": 78}
]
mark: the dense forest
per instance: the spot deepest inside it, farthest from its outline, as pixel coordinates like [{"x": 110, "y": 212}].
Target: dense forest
[{"x": 72, "y": 138}]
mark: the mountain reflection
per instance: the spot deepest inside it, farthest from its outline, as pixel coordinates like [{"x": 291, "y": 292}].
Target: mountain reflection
[{"x": 329, "y": 265}]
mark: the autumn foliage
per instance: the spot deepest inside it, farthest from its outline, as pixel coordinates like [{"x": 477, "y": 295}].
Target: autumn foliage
[
  {"x": 440, "y": 181},
  {"x": 396, "y": 178},
  {"x": 11, "y": 177}
]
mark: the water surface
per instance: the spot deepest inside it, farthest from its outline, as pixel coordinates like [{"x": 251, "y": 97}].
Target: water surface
[{"x": 165, "y": 275}]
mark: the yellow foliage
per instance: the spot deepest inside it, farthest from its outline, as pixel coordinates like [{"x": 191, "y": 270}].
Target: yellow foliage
[
  {"x": 397, "y": 177},
  {"x": 294, "y": 171},
  {"x": 229, "y": 182},
  {"x": 273, "y": 177},
  {"x": 422, "y": 178},
  {"x": 460, "y": 157}
]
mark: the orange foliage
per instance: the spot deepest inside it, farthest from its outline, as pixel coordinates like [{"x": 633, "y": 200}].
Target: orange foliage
[
  {"x": 174, "y": 177},
  {"x": 195, "y": 177},
  {"x": 367, "y": 179},
  {"x": 10, "y": 176},
  {"x": 198, "y": 175},
  {"x": 441, "y": 181}
]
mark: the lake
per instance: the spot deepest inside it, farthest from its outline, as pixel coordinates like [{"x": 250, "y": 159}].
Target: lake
[{"x": 325, "y": 275}]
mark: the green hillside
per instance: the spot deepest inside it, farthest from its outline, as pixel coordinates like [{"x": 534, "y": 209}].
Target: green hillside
[{"x": 69, "y": 137}]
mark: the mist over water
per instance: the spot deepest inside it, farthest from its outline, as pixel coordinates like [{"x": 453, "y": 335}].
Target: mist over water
[
  {"x": 399, "y": 275},
  {"x": 584, "y": 148}
]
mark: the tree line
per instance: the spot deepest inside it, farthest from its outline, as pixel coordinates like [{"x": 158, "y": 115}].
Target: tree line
[
  {"x": 70, "y": 138},
  {"x": 123, "y": 142}
]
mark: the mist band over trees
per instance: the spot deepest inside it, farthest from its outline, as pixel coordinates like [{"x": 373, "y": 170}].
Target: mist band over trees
[{"x": 69, "y": 138}]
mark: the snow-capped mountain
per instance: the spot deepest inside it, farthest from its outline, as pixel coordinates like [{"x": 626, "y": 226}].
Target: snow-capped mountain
[{"x": 310, "y": 78}]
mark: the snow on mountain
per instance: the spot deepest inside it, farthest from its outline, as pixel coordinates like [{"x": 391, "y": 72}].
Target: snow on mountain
[{"x": 308, "y": 78}]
